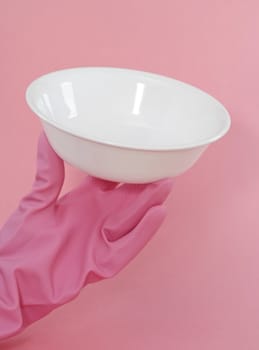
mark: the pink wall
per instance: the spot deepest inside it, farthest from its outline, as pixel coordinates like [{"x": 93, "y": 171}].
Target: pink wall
[{"x": 196, "y": 285}]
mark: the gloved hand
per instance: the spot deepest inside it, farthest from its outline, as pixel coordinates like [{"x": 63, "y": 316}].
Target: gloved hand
[{"x": 50, "y": 248}]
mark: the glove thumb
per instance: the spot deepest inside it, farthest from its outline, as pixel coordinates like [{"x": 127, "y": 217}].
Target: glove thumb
[{"x": 49, "y": 178}]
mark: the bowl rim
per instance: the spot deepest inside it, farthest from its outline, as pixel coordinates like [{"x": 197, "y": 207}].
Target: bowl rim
[{"x": 147, "y": 74}]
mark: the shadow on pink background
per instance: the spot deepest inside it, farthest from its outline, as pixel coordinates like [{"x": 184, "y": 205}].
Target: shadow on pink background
[{"x": 196, "y": 285}]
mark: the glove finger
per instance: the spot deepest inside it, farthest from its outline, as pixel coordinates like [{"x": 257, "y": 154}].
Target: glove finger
[
  {"x": 122, "y": 251},
  {"x": 103, "y": 185},
  {"x": 88, "y": 187},
  {"x": 132, "y": 203}
]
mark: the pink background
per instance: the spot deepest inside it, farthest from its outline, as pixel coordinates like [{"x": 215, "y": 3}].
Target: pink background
[{"x": 196, "y": 285}]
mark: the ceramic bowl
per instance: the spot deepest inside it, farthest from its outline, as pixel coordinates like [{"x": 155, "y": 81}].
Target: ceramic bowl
[{"x": 125, "y": 125}]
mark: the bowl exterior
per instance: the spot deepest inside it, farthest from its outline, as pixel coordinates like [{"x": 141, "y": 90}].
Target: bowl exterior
[{"x": 117, "y": 163}]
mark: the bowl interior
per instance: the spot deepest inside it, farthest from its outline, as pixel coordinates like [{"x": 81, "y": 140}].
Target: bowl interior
[{"x": 128, "y": 108}]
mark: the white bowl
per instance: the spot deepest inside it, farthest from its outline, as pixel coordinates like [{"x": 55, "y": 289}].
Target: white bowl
[{"x": 126, "y": 125}]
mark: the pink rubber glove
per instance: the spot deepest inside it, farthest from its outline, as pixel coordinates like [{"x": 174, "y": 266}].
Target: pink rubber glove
[{"x": 51, "y": 248}]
